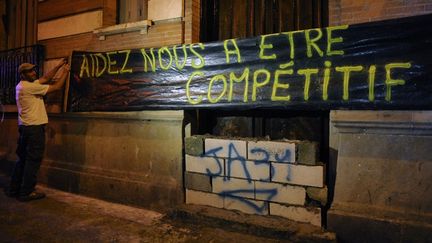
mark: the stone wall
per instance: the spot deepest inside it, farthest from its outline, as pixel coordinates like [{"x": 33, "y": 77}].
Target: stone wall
[
  {"x": 131, "y": 157},
  {"x": 383, "y": 171},
  {"x": 278, "y": 178}
]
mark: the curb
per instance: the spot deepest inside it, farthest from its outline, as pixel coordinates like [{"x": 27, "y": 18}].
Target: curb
[{"x": 277, "y": 228}]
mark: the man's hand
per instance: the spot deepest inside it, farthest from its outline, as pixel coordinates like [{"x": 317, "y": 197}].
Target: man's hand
[
  {"x": 66, "y": 67},
  {"x": 48, "y": 77},
  {"x": 61, "y": 81},
  {"x": 61, "y": 63}
]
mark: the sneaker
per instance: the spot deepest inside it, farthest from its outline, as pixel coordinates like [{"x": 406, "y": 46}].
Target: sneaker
[
  {"x": 11, "y": 193},
  {"x": 31, "y": 196}
]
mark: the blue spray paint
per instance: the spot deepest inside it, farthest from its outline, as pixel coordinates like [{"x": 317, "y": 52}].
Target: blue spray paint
[
  {"x": 233, "y": 156},
  {"x": 213, "y": 153},
  {"x": 285, "y": 157},
  {"x": 241, "y": 159},
  {"x": 265, "y": 161},
  {"x": 288, "y": 173},
  {"x": 234, "y": 195}
]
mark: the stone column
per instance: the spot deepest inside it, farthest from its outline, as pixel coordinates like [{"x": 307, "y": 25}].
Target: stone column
[{"x": 381, "y": 168}]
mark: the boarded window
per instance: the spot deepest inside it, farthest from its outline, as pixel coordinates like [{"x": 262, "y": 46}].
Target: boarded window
[
  {"x": 132, "y": 10},
  {"x": 224, "y": 19}
]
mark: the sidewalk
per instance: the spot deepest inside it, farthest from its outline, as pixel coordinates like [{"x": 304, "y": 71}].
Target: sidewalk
[{"x": 66, "y": 217}]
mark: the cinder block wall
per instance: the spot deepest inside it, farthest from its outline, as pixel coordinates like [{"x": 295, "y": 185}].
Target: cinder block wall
[{"x": 278, "y": 178}]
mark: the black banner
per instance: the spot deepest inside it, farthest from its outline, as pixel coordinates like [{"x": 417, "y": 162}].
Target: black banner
[{"x": 378, "y": 65}]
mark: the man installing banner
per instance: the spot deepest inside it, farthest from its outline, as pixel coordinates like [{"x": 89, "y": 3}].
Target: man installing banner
[
  {"x": 32, "y": 118},
  {"x": 380, "y": 65}
]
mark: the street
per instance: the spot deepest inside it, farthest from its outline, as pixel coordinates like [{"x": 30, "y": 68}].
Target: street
[{"x": 66, "y": 217}]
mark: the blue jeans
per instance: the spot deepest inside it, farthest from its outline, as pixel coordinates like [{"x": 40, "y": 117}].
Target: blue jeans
[{"x": 30, "y": 150}]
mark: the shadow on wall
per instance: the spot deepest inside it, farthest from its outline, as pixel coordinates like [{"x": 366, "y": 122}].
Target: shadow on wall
[
  {"x": 8, "y": 142},
  {"x": 331, "y": 177},
  {"x": 64, "y": 155}
]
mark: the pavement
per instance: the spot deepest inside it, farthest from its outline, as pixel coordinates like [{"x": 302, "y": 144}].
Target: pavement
[{"x": 67, "y": 217}]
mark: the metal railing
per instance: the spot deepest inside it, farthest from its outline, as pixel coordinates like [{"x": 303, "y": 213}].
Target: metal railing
[{"x": 9, "y": 62}]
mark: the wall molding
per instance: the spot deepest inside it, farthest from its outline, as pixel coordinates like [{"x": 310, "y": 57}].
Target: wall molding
[
  {"x": 141, "y": 26},
  {"x": 165, "y": 115}
]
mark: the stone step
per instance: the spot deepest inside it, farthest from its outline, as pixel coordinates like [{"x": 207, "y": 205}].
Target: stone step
[{"x": 277, "y": 228}]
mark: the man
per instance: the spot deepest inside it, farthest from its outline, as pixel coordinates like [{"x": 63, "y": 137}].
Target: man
[{"x": 32, "y": 118}]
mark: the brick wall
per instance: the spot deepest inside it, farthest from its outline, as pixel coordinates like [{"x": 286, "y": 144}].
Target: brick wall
[
  {"x": 158, "y": 35},
  {"x": 360, "y": 11},
  {"x": 278, "y": 178},
  {"x": 161, "y": 34}
]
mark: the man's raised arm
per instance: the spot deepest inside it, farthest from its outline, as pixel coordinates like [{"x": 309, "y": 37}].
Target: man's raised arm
[
  {"x": 61, "y": 81},
  {"x": 47, "y": 77}
]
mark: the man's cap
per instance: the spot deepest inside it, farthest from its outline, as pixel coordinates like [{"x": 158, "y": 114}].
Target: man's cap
[{"x": 25, "y": 67}]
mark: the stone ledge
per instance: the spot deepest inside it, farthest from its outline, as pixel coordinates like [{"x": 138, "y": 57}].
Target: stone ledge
[
  {"x": 383, "y": 122},
  {"x": 388, "y": 116},
  {"x": 141, "y": 26},
  {"x": 163, "y": 115}
]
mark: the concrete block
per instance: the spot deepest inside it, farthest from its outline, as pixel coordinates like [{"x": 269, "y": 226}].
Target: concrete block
[
  {"x": 225, "y": 148},
  {"x": 248, "y": 170},
  {"x": 205, "y": 165},
  {"x": 233, "y": 187},
  {"x": 204, "y": 198},
  {"x": 304, "y": 175},
  {"x": 273, "y": 151},
  {"x": 194, "y": 145},
  {"x": 299, "y": 214},
  {"x": 318, "y": 194},
  {"x": 248, "y": 206},
  {"x": 308, "y": 153},
  {"x": 282, "y": 193},
  {"x": 198, "y": 182}
]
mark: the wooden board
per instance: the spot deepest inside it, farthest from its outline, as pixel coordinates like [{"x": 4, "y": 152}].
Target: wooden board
[
  {"x": 71, "y": 25},
  {"x": 164, "y": 9},
  {"x": 52, "y": 9}
]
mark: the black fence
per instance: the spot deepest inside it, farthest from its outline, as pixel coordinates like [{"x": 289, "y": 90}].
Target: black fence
[{"x": 9, "y": 62}]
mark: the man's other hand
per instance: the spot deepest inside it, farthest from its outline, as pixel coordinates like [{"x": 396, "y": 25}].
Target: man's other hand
[{"x": 62, "y": 62}]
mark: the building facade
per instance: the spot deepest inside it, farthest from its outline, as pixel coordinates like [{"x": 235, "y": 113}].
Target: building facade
[{"x": 139, "y": 158}]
